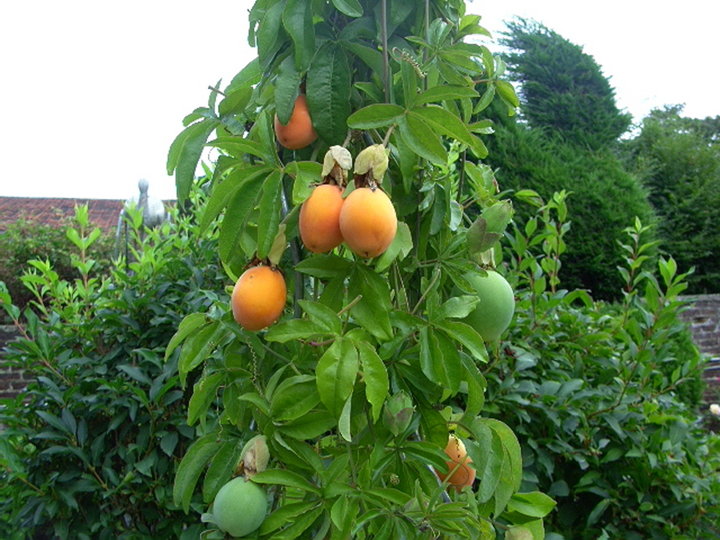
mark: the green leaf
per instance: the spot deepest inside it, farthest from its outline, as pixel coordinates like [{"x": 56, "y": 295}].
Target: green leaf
[
  {"x": 221, "y": 468},
  {"x": 439, "y": 360},
  {"x": 533, "y": 504},
  {"x": 467, "y": 336},
  {"x": 238, "y": 209},
  {"x": 309, "y": 426},
  {"x": 186, "y": 327},
  {"x": 238, "y": 147},
  {"x": 284, "y": 515},
  {"x": 293, "y": 330},
  {"x": 457, "y": 307},
  {"x": 598, "y": 511},
  {"x": 328, "y": 92},
  {"x": 299, "y": 525},
  {"x": 372, "y": 311},
  {"x": 235, "y": 101},
  {"x": 287, "y": 89},
  {"x": 511, "y": 444},
  {"x": 445, "y": 92},
  {"x": 270, "y": 211},
  {"x": 286, "y": 478},
  {"x": 507, "y": 93},
  {"x": 190, "y": 468},
  {"x": 399, "y": 248},
  {"x": 322, "y": 315},
  {"x": 375, "y": 116},
  {"x": 443, "y": 121},
  {"x": 487, "y": 454},
  {"x": 372, "y": 58},
  {"x": 304, "y": 175},
  {"x": 344, "y": 420},
  {"x": 248, "y": 76},
  {"x": 269, "y": 36},
  {"x": 200, "y": 346},
  {"x": 204, "y": 393},
  {"x": 298, "y": 21},
  {"x": 324, "y": 266},
  {"x": 184, "y": 157},
  {"x": 224, "y": 191},
  {"x": 336, "y": 372},
  {"x": 422, "y": 138},
  {"x": 351, "y": 8},
  {"x": 293, "y": 398},
  {"x": 374, "y": 376}
]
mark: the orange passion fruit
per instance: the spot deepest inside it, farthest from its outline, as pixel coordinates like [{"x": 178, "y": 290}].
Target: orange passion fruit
[
  {"x": 298, "y": 132},
  {"x": 320, "y": 219},
  {"x": 258, "y": 298},
  {"x": 368, "y": 222},
  {"x": 460, "y": 474}
]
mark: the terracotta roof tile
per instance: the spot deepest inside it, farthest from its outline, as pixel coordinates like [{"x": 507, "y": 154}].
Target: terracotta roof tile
[{"x": 52, "y": 211}]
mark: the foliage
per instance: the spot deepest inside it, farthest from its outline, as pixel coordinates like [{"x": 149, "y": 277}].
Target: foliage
[
  {"x": 357, "y": 392},
  {"x": 562, "y": 88},
  {"x": 600, "y": 392},
  {"x": 603, "y": 199},
  {"x": 679, "y": 160},
  {"x": 89, "y": 450},
  {"x": 25, "y": 240}
]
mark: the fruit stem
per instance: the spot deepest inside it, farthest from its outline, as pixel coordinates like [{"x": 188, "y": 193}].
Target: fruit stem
[
  {"x": 216, "y": 90},
  {"x": 350, "y": 305},
  {"x": 386, "y": 62},
  {"x": 386, "y": 139}
]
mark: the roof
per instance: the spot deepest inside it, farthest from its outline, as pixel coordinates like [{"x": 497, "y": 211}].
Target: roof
[{"x": 53, "y": 211}]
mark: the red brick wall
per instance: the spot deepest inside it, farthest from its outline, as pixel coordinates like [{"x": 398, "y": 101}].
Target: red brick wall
[{"x": 12, "y": 381}]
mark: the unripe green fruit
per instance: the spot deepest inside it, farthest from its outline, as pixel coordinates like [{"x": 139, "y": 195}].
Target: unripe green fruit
[
  {"x": 496, "y": 308},
  {"x": 240, "y": 507}
]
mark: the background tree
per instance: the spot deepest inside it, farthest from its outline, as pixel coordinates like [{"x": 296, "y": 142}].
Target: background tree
[
  {"x": 562, "y": 88},
  {"x": 679, "y": 161}
]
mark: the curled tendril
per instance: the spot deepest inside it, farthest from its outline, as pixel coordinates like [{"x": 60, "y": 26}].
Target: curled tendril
[{"x": 401, "y": 55}]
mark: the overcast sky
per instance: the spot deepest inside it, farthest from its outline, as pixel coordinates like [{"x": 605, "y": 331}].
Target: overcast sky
[{"x": 94, "y": 92}]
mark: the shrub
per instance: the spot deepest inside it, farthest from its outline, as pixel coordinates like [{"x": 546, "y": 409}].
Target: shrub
[
  {"x": 90, "y": 448},
  {"x": 678, "y": 158},
  {"x": 601, "y": 391},
  {"x": 25, "y": 240},
  {"x": 604, "y": 198}
]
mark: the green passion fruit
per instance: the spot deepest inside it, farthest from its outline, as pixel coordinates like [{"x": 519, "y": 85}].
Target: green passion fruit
[
  {"x": 240, "y": 507},
  {"x": 496, "y": 308}
]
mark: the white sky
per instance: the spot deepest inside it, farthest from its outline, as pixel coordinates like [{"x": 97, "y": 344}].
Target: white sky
[{"x": 94, "y": 92}]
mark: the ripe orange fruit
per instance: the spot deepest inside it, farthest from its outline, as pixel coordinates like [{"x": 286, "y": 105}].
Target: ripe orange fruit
[
  {"x": 320, "y": 219},
  {"x": 258, "y": 297},
  {"x": 298, "y": 132},
  {"x": 368, "y": 222},
  {"x": 460, "y": 472}
]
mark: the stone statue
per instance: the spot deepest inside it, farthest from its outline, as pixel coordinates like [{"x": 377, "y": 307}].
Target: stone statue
[{"x": 153, "y": 214}]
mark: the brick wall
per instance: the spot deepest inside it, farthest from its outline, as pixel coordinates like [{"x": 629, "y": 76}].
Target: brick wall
[
  {"x": 12, "y": 381},
  {"x": 704, "y": 318}
]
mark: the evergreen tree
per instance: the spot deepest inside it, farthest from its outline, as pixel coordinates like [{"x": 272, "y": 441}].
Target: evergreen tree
[
  {"x": 562, "y": 88},
  {"x": 679, "y": 159}
]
